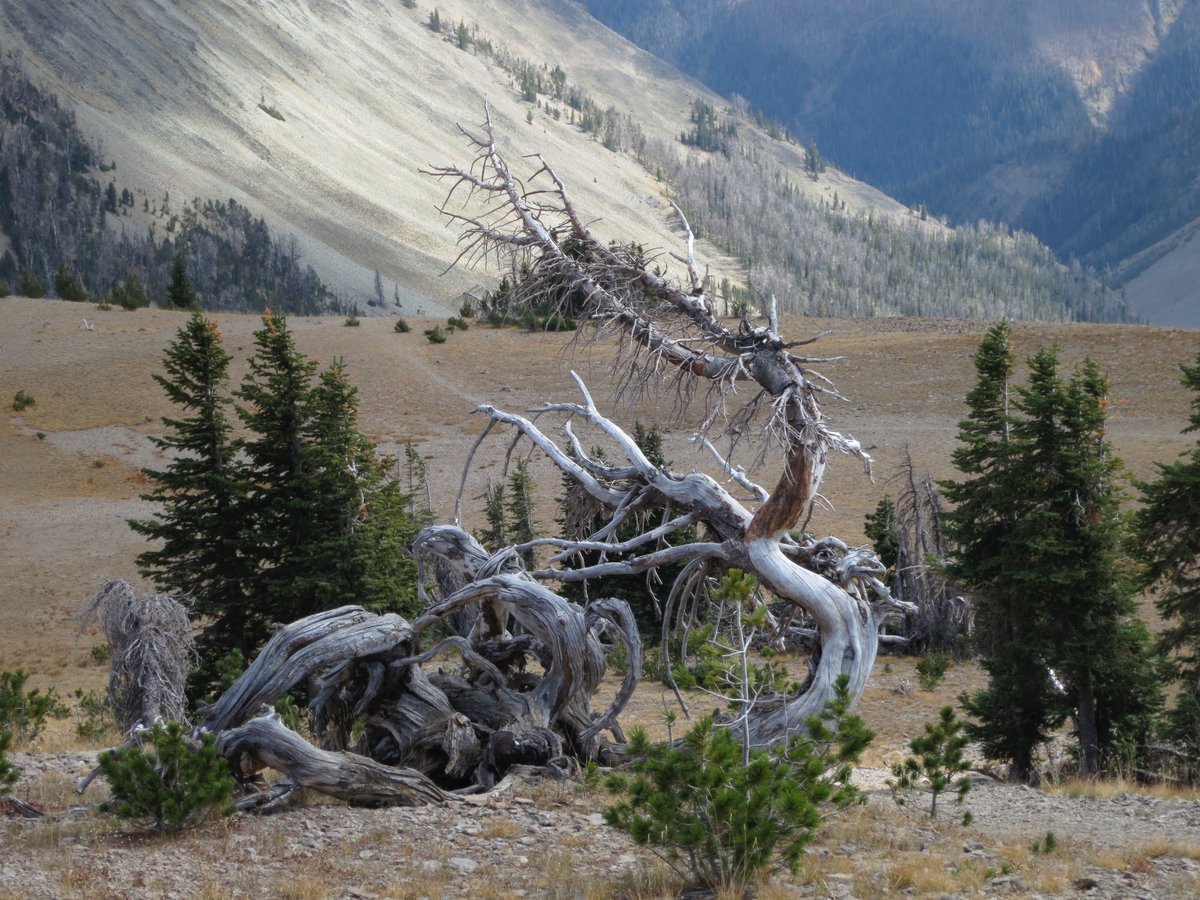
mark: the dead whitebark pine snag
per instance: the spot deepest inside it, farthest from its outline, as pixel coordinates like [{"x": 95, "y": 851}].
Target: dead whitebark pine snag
[
  {"x": 151, "y": 652},
  {"x": 517, "y": 663},
  {"x": 664, "y": 330}
]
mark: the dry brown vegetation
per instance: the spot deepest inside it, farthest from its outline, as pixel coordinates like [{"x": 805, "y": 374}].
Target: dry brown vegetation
[{"x": 62, "y": 529}]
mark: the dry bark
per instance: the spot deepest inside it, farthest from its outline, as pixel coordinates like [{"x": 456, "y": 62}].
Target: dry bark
[
  {"x": 665, "y": 329},
  {"x": 518, "y": 694}
]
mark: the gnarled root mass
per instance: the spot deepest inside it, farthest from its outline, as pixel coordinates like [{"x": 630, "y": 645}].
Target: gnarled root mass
[{"x": 393, "y": 732}]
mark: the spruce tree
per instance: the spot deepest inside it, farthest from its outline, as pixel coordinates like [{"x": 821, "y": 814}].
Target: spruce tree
[
  {"x": 1075, "y": 575},
  {"x": 1166, "y": 536},
  {"x": 275, "y": 407},
  {"x": 1016, "y": 711},
  {"x": 330, "y": 527},
  {"x": 200, "y": 529},
  {"x": 521, "y": 527},
  {"x": 360, "y": 526},
  {"x": 180, "y": 293},
  {"x": 1038, "y": 534}
]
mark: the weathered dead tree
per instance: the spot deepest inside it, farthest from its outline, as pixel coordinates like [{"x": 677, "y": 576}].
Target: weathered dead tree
[
  {"x": 943, "y": 617},
  {"x": 458, "y": 728},
  {"x": 498, "y": 670},
  {"x": 662, "y": 329},
  {"x": 152, "y": 652}
]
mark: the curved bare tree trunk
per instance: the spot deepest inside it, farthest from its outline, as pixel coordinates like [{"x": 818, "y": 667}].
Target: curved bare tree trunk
[
  {"x": 665, "y": 328},
  {"x": 425, "y": 733},
  {"x": 518, "y": 692}
]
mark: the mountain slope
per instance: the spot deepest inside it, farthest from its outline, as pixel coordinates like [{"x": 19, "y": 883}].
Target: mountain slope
[
  {"x": 369, "y": 95},
  {"x": 322, "y": 115},
  {"x": 1074, "y": 119}
]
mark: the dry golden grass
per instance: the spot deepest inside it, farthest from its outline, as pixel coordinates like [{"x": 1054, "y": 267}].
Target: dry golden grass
[
  {"x": 1138, "y": 857},
  {"x": 1107, "y": 788},
  {"x": 62, "y": 529},
  {"x": 62, "y": 519}
]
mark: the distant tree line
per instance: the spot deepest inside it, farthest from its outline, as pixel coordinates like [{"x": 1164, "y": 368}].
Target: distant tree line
[
  {"x": 816, "y": 258},
  {"x": 933, "y": 107},
  {"x": 66, "y": 229}
]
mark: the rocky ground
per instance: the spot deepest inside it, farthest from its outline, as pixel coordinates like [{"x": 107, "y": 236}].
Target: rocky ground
[{"x": 544, "y": 839}]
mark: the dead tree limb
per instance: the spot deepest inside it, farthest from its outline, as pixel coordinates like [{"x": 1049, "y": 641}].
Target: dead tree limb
[
  {"x": 664, "y": 329},
  {"x": 150, "y": 639}
]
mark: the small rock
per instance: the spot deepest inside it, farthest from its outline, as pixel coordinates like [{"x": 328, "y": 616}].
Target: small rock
[
  {"x": 1086, "y": 884},
  {"x": 1005, "y": 884},
  {"x": 367, "y": 854},
  {"x": 430, "y": 865},
  {"x": 463, "y": 864},
  {"x": 596, "y": 819}
]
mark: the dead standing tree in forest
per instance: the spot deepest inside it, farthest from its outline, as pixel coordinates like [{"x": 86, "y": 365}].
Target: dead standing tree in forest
[{"x": 462, "y": 729}]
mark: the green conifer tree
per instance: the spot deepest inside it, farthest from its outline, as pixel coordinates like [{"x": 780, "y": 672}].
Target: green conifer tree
[
  {"x": 359, "y": 527},
  {"x": 521, "y": 525},
  {"x": 1070, "y": 532},
  {"x": 1038, "y": 531},
  {"x": 1166, "y": 535},
  {"x": 1016, "y": 711},
  {"x": 180, "y": 293},
  {"x": 200, "y": 528},
  {"x": 275, "y": 406}
]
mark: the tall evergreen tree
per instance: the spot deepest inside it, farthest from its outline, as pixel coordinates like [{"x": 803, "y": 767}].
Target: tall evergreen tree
[
  {"x": 1166, "y": 535},
  {"x": 200, "y": 494},
  {"x": 298, "y": 517},
  {"x": 358, "y": 525},
  {"x": 275, "y": 407},
  {"x": 1038, "y": 530},
  {"x": 1016, "y": 711},
  {"x": 1075, "y": 575}
]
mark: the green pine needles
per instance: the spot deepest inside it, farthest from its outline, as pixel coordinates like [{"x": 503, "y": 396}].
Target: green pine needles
[
  {"x": 290, "y": 513},
  {"x": 721, "y": 822},
  {"x": 170, "y": 781},
  {"x": 8, "y": 773},
  {"x": 937, "y": 765}
]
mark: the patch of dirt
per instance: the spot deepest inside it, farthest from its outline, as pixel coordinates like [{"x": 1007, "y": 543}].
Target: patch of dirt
[{"x": 548, "y": 839}]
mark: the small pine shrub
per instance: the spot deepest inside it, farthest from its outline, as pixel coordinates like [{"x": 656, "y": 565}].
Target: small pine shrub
[
  {"x": 8, "y": 773},
  {"x": 931, "y": 669},
  {"x": 101, "y": 654},
  {"x": 129, "y": 294},
  {"x": 937, "y": 764},
  {"x": 435, "y": 335},
  {"x": 1046, "y": 845},
  {"x": 22, "y": 401},
  {"x": 22, "y": 712},
  {"x": 719, "y": 822},
  {"x": 94, "y": 719},
  {"x": 457, "y": 322},
  {"x": 351, "y": 321},
  {"x": 29, "y": 286},
  {"x": 467, "y": 310},
  {"x": 67, "y": 285},
  {"x": 290, "y": 713},
  {"x": 402, "y": 327},
  {"x": 168, "y": 781}
]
